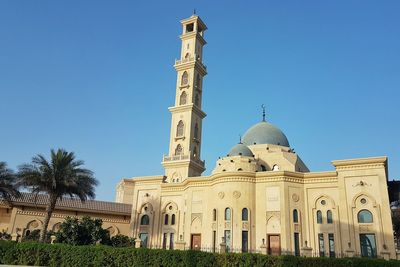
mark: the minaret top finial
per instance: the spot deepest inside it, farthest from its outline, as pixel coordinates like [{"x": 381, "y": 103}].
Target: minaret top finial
[
  {"x": 240, "y": 139},
  {"x": 194, "y": 11},
  {"x": 263, "y": 108}
]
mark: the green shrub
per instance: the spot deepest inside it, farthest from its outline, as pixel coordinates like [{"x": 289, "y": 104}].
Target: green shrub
[{"x": 32, "y": 253}]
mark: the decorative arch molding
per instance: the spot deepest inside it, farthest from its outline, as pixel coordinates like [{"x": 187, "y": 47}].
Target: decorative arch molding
[
  {"x": 34, "y": 224},
  {"x": 321, "y": 197},
  {"x": 113, "y": 230},
  {"x": 56, "y": 227},
  {"x": 363, "y": 195},
  {"x": 168, "y": 204},
  {"x": 149, "y": 210},
  {"x": 273, "y": 225}
]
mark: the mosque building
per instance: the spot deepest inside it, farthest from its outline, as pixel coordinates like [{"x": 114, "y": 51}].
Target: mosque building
[{"x": 260, "y": 196}]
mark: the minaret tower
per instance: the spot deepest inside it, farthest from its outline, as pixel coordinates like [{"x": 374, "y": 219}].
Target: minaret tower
[{"x": 184, "y": 158}]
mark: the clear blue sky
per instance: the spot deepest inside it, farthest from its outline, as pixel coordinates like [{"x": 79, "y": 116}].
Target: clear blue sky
[{"x": 96, "y": 78}]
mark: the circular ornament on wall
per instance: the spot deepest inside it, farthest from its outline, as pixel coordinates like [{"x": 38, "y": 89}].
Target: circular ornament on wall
[
  {"x": 236, "y": 194},
  {"x": 295, "y": 197},
  {"x": 221, "y": 195}
]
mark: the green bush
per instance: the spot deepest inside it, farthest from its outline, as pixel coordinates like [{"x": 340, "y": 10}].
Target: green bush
[{"x": 32, "y": 253}]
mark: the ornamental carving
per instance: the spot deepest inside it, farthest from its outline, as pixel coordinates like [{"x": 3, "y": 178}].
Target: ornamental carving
[
  {"x": 236, "y": 194},
  {"x": 245, "y": 225},
  {"x": 227, "y": 225},
  {"x": 214, "y": 226},
  {"x": 295, "y": 197},
  {"x": 34, "y": 224},
  {"x": 221, "y": 195}
]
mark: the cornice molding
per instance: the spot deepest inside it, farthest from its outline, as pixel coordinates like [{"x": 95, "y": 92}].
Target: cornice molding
[{"x": 361, "y": 162}]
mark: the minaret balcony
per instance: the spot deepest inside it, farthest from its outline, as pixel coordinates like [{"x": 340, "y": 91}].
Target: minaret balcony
[
  {"x": 190, "y": 59},
  {"x": 184, "y": 158}
]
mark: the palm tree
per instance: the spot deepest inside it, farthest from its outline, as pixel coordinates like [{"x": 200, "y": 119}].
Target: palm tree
[
  {"x": 59, "y": 177},
  {"x": 8, "y": 187}
]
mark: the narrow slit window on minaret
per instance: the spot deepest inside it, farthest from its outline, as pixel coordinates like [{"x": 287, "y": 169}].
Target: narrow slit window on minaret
[
  {"x": 180, "y": 128},
  {"x": 195, "y": 152},
  {"x": 183, "y": 98},
  {"x": 197, "y": 100},
  {"x": 187, "y": 56},
  {"x": 198, "y": 81},
  {"x": 185, "y": 78},
  {"x": 196, "y": 131}
]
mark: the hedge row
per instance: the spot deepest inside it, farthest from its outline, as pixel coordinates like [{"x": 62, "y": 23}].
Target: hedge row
[{"x": 64, "y": 255}]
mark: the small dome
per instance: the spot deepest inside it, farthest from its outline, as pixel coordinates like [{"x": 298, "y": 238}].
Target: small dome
[
  {"x": 265, "y": 133},
  {"x": 240, "y": 150}
]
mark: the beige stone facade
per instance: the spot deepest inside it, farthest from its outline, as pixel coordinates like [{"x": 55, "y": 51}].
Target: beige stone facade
[
  {"x": 27, "y": 214},
  {"x": 261, "y": 196}
]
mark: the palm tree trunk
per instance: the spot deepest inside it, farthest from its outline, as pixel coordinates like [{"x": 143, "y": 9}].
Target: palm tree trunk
[{"x": 49, "y": 211}]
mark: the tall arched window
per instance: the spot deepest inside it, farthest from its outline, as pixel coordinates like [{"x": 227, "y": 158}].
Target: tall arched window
[
  {"x": 166, "y": 218},
  {"x": 196, "y": 131},
  {"x": 365, "y": 216},
  {"x": 329, "y": 216},
  {"x": 183, "y": 98},
  {"x": 197, "y": 100},
  {"x": 178, "y": 150},
  {"x": 245, "y": 214},
  {"x": 227, "y": 214},
  {"x": 319, "y": 217},
  {"x": 145, "y": 220},
  {"x": 295, "y": 216},
  {"x": 173, "y": 219},
  {"x": 180, "y": 128},
  {"x": 214, "y": 215},
  {"x": 185, "y": 78}
]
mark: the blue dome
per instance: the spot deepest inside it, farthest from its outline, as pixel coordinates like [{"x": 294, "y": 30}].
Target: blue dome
[
  {"x": 240, "y": 150},
  {"x": 265, "y": 133}
]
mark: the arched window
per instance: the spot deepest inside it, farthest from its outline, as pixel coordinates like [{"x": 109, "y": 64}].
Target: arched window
[
  {"x": 178, "y": 150},
  {"x": 196, "y": 131},
  {"x": 365, "y": 216},
  {"x": 197, "y": 100},
  {"x": 329, "y": 216},
  {"x": 263, "y": 168},
  {"x": 180, "y": 128},
  {"x": 145, "y": 220},
  {"x": 245, "y": 214},
  {"x": 173, "y": 219},
  {"x": 214, "y": 215},
  {"x": 195, "y": 152},
  {"x": 319, "y": 217},
  {"x": 275, "y": 168},
  {"x": 187, "y": 56},
  {"x": 183, "y": 98},
  {"x": 295, "y": 216},
  {"x": 166, "y": 219},
  {"x": 185, "y": 78},
  {"x": 227, "y": 214}
]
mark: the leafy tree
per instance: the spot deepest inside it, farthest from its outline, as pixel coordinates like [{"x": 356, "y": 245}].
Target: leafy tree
[
  {"x": 396, "y": 224},
  {"x": 61, "y": 176},
  {"x": 34, "y": 235},
  {"x": 86, "y": 231},
  {"x": 122, "y": 241},
  {"x": 8, "y": 186}
]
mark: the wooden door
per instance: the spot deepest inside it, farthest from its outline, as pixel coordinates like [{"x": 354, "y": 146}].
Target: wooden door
[
  {"x": 274, "y": 245},
  {"x": 196, "y": 242}
]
